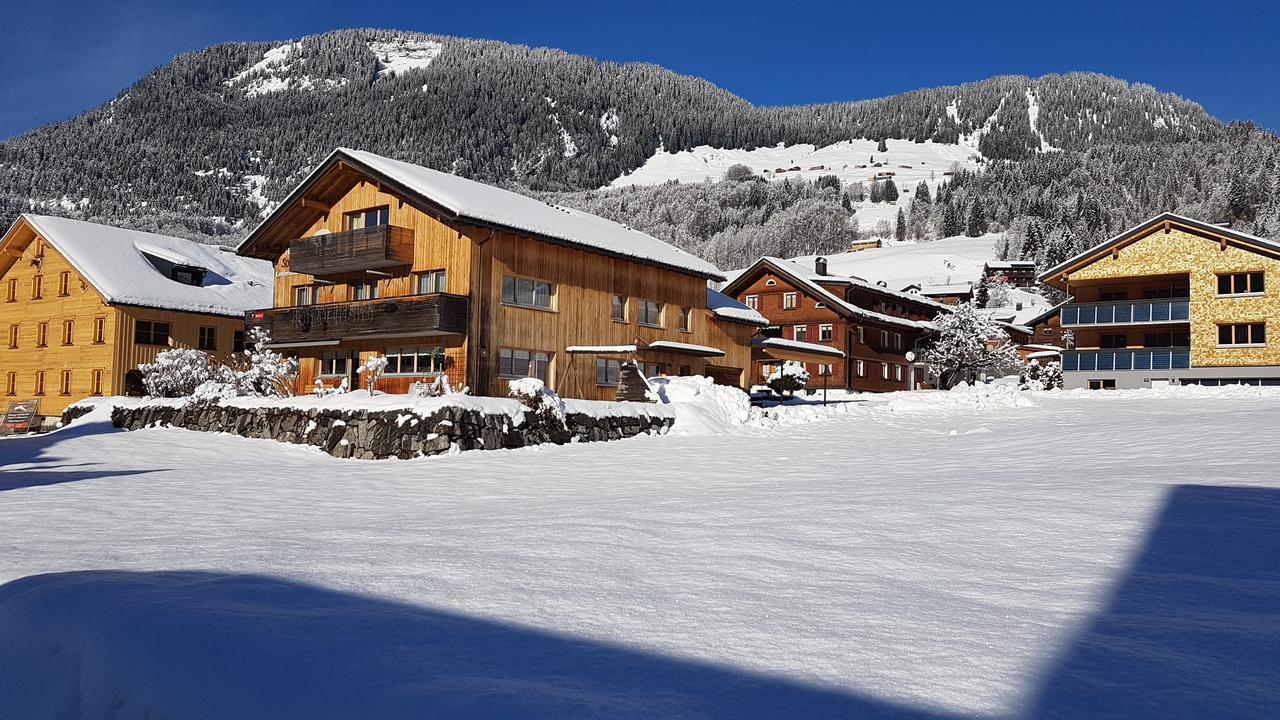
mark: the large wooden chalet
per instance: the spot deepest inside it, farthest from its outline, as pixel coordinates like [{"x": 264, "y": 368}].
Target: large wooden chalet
[
  {"x": 872, "y": 327},
  {"x": 447, "y": 276},
  {"x": 86, "y": 304}
]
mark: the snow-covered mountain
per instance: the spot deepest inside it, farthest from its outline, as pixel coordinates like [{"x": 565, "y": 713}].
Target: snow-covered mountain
[{"x": 202, "y": 146}]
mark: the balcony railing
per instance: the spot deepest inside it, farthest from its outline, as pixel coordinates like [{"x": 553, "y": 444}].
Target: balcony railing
[
  {"x": 1127, "y": 312},
  {"x": 410, "y": 315},
  {"x": 1171, "y": 358},
  {"x": 371, "y": 248}
]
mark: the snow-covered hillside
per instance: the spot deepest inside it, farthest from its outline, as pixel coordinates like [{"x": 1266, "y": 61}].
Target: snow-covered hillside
[
  {"x": 899, "y": 560},
  {"x": 942, "y": 262},
  {"x": 851, "y": 161}
]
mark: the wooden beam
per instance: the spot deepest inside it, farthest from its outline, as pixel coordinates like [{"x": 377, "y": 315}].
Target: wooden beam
[
  {"x": 1167, "y": 227},
  {"x": 310, "y": 204}
]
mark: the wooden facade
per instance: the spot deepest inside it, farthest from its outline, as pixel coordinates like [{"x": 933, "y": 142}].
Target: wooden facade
[
  {"x": 875, "y": 348},
  {"x": 466, "y": 269},
  {"x": 64, "y": 342}
]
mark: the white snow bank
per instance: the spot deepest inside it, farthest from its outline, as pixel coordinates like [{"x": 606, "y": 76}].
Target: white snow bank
[{"x": 400, "y": 56}]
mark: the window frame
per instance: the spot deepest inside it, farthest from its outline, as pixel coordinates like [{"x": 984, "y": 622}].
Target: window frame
[
  {"x": 684, "y": 321},
  {"x": 533, "y": 361},
  {"x": 42, "y": 334},
  {"x": 608, "y": 365},
  {"x": 790, "y": 300},
  {"x": 39, "y": 389},
  {"x": 859, "y": 367},
  {"x": 437, "y": 280},
  {"x": 800, "y": 333},
  {"x": 151, "y": 333},
  {"x": 95, "y": 382},
  {"x": 11, "y": 383},
  {"x": 1248, "y": 277},
  {"x": 826, "y": 332},
  {"x": 642, "y": 312},
  {"x": 68, "y": 332},
  {"x": 752, "y": 301},
  {"x": 512, "y": 282},
  {"x": 207, "y": 338},
  {"x": 37, "y": 287},
  {"x": 238, "y": 342},
  {"x": 15, "y": 335},
  {"x": 64, "y": 283},
  {"x": 884, "y": 371},
  {"x": 348, "y": 218},
  {"x": 11, "y": 292},
  {"x": 312, "y": 296},
  {"x": 64, "y": 382},
  {"x": 618, "y": 303},
  {"x": 437, "y": 355},
  {"x": 99, "y": 330},
  {"x": 1255, "y": 334}
]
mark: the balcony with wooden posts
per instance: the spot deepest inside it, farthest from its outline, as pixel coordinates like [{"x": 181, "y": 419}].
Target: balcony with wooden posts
[
  {"x": 380, "y": 247},
  {"x": 330, "y": 323}
]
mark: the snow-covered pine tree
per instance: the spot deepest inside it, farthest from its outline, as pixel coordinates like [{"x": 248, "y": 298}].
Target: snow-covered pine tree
[
  {"x": 890, "y": 191},
  {"x": 900, "y": 227}
]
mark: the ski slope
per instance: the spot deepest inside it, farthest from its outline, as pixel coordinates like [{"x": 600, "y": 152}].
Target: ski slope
[
  {"x": 850, "y": 160},
  {"x": 900, "y": 559}
]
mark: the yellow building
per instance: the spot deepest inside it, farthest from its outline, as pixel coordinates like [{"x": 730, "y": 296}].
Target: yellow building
[
  {"x": 82, "y": 305},
  {"x": 1172, "y": 301}
]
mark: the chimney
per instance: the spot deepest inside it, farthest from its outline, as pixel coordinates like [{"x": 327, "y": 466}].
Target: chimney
[{"x": 820, "y": 265}]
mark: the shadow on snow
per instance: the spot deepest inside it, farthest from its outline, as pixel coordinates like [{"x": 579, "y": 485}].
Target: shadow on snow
[{"x": 42, "y": 467}]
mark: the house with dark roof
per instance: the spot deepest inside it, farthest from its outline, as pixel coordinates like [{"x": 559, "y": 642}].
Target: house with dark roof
[
  {"x": 867, "y": 329},
  {"x": 1171, "y": 301},
  {"x": 86, "y": 304},
  {"x": 450, "y": 277}
]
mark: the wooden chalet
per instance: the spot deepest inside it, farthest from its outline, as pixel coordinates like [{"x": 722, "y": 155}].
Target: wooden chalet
[
  {"x": 869, "y": 327},
  {"x": 1018, "y": 273},
  {"x": 86, "y": 304},
  {"x": 447, "y": 276}
]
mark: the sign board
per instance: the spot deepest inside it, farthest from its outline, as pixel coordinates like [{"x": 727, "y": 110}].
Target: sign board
[{"x": 20, "y": 416}]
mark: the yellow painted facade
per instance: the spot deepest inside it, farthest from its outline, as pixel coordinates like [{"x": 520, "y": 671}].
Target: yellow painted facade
[
  {"x": 61, "y": 342},
  {"x": 1200, "y": 259}
]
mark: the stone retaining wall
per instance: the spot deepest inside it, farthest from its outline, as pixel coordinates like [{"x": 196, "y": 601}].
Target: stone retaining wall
[{"x": 375, "y": 434}]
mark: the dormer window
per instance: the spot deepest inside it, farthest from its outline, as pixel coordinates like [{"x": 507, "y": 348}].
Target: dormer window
[{"x": 187, "y": 275}]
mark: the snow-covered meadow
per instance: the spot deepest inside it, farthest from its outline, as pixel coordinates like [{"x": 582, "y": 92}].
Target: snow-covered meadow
[{"x": 987, "y": 553}]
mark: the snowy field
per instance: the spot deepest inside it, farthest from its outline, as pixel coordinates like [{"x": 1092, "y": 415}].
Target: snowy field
[
  {"x": 850, "y": 160},
  {"x": 936, "y": 555}
]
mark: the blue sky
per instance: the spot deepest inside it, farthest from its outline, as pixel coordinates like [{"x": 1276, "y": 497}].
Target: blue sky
[{"x": 61, "y": 58}]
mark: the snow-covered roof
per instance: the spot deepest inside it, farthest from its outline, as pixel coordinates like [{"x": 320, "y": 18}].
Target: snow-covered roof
[
  {"x": 487, "y": 205},
  {"x": 114, "y": 261},
  {"x": 685, "y": 348},
  {"x": 807, "y": 280},
  {"x": 601, "y": 349},
  {"x": 1044, "y": 354},
  {"x": 723, "y": 306},
  {"x": 1010, "y": 264},
  {"x": 784, "y": 344},
  {"x": 961, "y": 288},
  {"x": 1259, "y": 243}
]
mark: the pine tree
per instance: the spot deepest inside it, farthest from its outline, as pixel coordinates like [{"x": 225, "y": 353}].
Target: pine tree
[
  {"x": 900, "y": 228},
  {"x": 883, "y": 146},
  {"x": 890, "y": 191},
  {"x": 983, "y": 294},
  {"x": 877, "y": 192},
  {"x": 921, "y": 193}
]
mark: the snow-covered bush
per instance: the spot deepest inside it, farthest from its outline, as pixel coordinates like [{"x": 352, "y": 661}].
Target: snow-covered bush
[
  {"x": 260, "y": 370},
  {"x": 1035, "y": 377},
  {"x": 372, "y": 370},
  {"x": 788, "y": 378},
  {"x": 321, "y": 391},
  {"x": 998, "y": 289},
  {"x": 535, "y": 395},
  {"x": 212, "y": 391},
  {"x": 966, "y": 344},
  {"x": 177, "y": 372}
]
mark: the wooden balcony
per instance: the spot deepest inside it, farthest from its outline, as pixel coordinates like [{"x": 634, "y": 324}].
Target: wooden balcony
[
  {"x": 409, "y": 315},
  {"x": 372, "y": 248}
]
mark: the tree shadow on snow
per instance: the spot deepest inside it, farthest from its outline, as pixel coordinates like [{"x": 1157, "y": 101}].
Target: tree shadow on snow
[
  {"x": 42, "y": 467},
  {"x": 1194, "y": 629},
  {"x": 200, "y": 644}
]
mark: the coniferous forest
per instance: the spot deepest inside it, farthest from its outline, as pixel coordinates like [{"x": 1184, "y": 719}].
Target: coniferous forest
[{"x": 200, "y": 147}]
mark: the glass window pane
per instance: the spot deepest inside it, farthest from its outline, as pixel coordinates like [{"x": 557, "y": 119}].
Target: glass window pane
[
  {"x": 1259, "y": 333},
  {"x": 1241, "y": 334},
  {"x": 440, "y": 279},
  {"x": 1224, "y": 334},
  {"x": 524, "y": 292},
  {"x": 1256, "y": 282},
  {"x": 1224, "y": 284},
  {"x": 508, "y": 289},
  {"x": 504, "y": 362},
  {"x": 541, "y": 362}
]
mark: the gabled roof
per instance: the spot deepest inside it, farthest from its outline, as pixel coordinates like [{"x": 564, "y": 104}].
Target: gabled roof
[
  {"x": 961, "y": 288},
  {"x": 1165, "y": 220},
  {"x": 808, "y": 280},
  {"x": 115, "y": 262},
  {"x": 726, "y": 308},
  {"x": 488, "y": 206},
  {"x": 1033, "y": 321}
]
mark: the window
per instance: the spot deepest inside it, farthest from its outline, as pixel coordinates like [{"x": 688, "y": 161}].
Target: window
[
  {"x": 37, "y": 286},
  {"x": 789, "y": 301},
  {"x": 13, "y": 336},
  {"x": 520, "y": 363},
  {"x": 897, "y": 373},
  {"x": 884, "y": 371},
  {"x": 68, "y": 331},
  {"x": 1242, "y": 334},
  {"x": 64, "y": 382},
  {"x": 1102, "y": 384},
  {"x": 39, "y": 382},
  {"x": 1115, "y": 340},
  {"x": 426, "y": 360},
  {"x": 608, "y": 371},
  {"x": 800, "y": 332},
  {"x": 824, "y": 370},
  {"x": 305, "y": 295},
  {"x": 770, "y": 282},
  {"x": 1166, "y": 339},
  {"x": 524, "y": 292},
  {"x": 64, "y": 283},
  {"x": 819, "y": 305},
  {"x": 371, "y": 217},
  {"x": 11, "y": 384},
  {"x": 187, "y": 275},
  {"x": 12, "y": 294},
  {"x": 431, "y": 282},
  {"x": 237, "y": 341},
  {"x": 365, "y": 290},
  {"x": 1112, "y": 295},
  {"x": 42, "y": 334},
  {"x": 897, "y": 342},
  {"x": 861, "y": 336},
  {"x": 95, "y": 382},
  {"x": 146, "y": 332},
  {"x": 684, "y": 319},
  {"x": 753, "y": 302},
  {"x": 99, "y": 330},
  {"x": 338, "y": 363},
  {"x": 652, "y": 369},
  {"x": 826, "y": 332},
  {"x": 619, "y": 309},
  {"x": 650, "y": 313},
  {"x": 860, "y": 368},
  {"x": 208, "y": 339},
  {"x": 1250, "y": 283}
]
